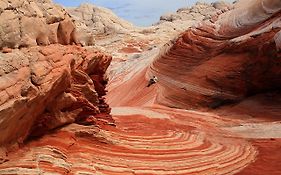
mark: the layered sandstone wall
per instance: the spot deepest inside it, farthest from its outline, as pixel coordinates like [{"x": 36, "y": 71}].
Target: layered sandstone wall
[
  {"x": 43, "y": 87},
  {"x": 224, "y": 59}
]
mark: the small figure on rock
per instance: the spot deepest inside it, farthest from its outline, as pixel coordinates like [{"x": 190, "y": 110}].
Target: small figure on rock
[{"x": 152, "y": 81}]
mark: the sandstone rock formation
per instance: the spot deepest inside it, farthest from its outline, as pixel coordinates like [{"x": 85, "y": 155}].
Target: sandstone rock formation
[
  {"x": 223, "y": 61},
  {"x": 46, "y": 87},
  {"x": 146, "y": 141},
  {"x": 30, "y": 23},
  {"x": 101, "y": 20},
  {"x": 92, "y": 20},
  {"x": 111, "y": 32},
  {"x": 220, "y": 61},
  {"x": 200, "y": 10},
  {"x": 232, "y": 58},
  {"x": 131, "y": 45},
  {"x": 216, "y": 62}
]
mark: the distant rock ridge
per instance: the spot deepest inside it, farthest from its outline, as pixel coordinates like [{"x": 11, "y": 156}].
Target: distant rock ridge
[
  {"x": 92, "y": 20},
  {"x": 96, "y": 20},
  {"x": 200, "y": 10},
  {"x": 100, "y": 19}
]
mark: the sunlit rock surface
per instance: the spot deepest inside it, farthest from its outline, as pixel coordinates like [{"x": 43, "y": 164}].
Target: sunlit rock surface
[
  {"x": 46, "y": 87},
  {"x": 133, "y": 47},
  {"x": 201, "y": 10},
  {"x": 157, "y": 129},
  {"x": 222, "y": 61},
  {"x": 231, "y": 59},
  {"x": 30, "y": 23},
  {"x": 207, "y": 66},
  {"x": 145, "y": 141}
]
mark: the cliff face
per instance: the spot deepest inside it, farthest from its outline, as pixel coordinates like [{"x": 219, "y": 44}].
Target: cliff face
[
  {"x": 45, "y": 87},
  {"x": 223, "y": 60}
]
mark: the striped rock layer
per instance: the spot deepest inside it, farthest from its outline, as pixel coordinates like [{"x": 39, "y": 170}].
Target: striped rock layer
[
  {"x": 231, "y": 57},
  {"x": 144, "y": 142},
  {"x": 212, "y": 64}
]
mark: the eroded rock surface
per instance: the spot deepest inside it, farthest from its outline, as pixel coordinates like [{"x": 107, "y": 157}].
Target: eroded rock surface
[
  {"x": 46, "y": 87},
  {"x": 148, "y": 141},
  {"x": 224, "y": 60},
  {"x": 233, "y": 58},
  {"x": 132, "y": 46},
  {"x": 30, "y": 23},
  {"x": 92, "y": 20},
  {"x": 203, "y": 11},
  {"x": 206, "y": 66}
]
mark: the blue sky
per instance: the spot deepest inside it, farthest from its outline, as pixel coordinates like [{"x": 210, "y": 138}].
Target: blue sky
[{"x": 139, "y": 12}]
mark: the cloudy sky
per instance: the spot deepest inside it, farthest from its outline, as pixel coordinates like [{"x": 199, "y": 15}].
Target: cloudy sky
[{"x": 139, "y": 12}]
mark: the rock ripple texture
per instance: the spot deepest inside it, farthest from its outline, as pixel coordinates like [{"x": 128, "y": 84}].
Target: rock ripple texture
[
  {"x": 223, "y": 60},
  {"x": 176, "y": 144},
  {"x": 59, "y": 90}
]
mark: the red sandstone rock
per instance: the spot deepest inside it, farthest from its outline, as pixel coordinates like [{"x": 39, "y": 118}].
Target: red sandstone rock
[
  {"x": 269, "y": 158},
  {"x": 157, "y": 141},
  {"x": 129, "y": 50},
  {"x": 221, "y": 62},
  {"x": 65, "y": 84},
  {"x": 46, "y": 87}
]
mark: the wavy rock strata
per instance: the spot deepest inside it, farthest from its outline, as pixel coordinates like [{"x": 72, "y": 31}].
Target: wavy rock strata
[
  {"x": 46, "y": 87},
  {"x": 145, "y": 141},
  {"x": 223, "y": 60}
]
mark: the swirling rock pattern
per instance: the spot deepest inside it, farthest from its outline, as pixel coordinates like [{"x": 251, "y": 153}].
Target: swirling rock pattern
[
  {"x": 208, "y": 65},
  {"x": 144, "y": 142},
  {"x": 223, "y": 60}
]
